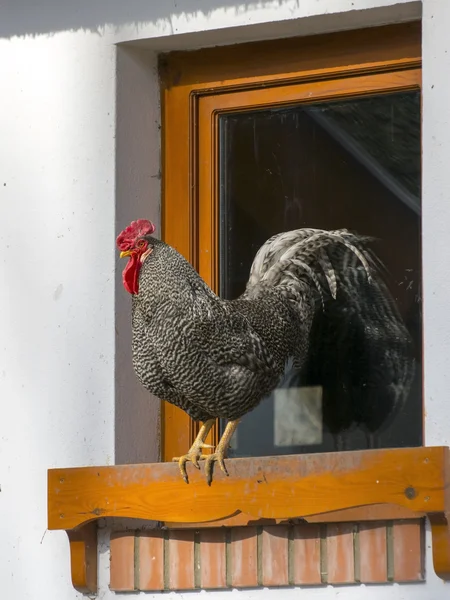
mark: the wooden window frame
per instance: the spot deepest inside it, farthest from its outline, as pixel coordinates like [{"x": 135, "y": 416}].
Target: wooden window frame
[{"x": 198, "y": 86}]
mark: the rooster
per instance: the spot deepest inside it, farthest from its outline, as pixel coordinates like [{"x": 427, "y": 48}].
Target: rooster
[{"x": 314, "y": 301}]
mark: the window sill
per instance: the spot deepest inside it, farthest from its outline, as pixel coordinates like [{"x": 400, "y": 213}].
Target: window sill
[{"x": 387, "y": 484}]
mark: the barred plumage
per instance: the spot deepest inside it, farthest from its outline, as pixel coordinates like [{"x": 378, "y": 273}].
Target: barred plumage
[
  {"x": 219, "y": 358},
  {"x": 314, "y": 298}
]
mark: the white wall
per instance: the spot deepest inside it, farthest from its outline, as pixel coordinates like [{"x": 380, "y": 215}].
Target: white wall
[
  {"x": 56, "y": 289},
  {"x": 65, "y": 374}
]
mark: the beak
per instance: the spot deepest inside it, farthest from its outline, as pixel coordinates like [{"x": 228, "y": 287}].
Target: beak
[{"x": 126, "y": 253}]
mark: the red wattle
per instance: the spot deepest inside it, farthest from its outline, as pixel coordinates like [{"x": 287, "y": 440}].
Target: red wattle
[{"x": 130, "y": 275}]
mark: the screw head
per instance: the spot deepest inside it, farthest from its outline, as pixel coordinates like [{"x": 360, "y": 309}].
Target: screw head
[{"x": 410, "y": 493}]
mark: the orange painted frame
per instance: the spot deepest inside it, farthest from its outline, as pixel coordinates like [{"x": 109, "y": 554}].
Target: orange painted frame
[
  {"x": 197, "y": 86},
  {"x": 414, "y": 480}
]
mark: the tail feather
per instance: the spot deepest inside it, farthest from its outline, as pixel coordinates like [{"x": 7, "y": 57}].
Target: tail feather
[
  {"x": 308, "y": 247},
  {"x": 360, "y": 349},
  {"x": 328, "y": 271}
]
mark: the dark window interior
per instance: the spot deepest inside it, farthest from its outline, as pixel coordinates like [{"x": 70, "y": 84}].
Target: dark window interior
[{"x": 352, "y": 164}]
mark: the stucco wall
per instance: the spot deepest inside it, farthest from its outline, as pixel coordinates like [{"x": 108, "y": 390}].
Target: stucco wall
[{"x": 73, "y": 107}]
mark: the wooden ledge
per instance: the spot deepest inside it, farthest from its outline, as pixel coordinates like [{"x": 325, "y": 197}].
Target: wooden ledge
[{"x": 407, "y": 482}]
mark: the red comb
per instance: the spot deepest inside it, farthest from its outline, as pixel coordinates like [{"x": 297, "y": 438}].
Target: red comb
[{"x": 127, "y": 238}]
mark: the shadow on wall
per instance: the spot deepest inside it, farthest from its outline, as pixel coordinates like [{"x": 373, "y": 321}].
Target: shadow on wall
[
  {"x": 40, "y": 17},
  {"x": 35, "y": 17}
]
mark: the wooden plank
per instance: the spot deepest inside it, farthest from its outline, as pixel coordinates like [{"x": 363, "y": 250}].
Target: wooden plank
[
  {"x": 270, "y": 97},
  {"x": 275, "y": 567},
  {"x": 270, "y": 487},
  {"x": 306, "y": 555},
  {"x": 372, "y": 553},
  {"x": 177, "y": 230},
  {"x": 276, "y": 60},
  {"x": 408, "y": 551},
  {"x": 244, "y": 557},
  {"x": 180, "y": 560},
  {"x": 151, "y": 560},
  {"x": 340, "y": 554},
  {"x": 377, "y": 512},
  {"x": 213, "y": 559},
  {"x": 122, "y": 562}
]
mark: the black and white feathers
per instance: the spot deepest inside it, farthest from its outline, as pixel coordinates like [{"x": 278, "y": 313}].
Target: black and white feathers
[{"x": 314, "y": 298}]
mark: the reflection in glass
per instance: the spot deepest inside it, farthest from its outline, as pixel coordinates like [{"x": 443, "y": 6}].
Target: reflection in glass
[
  {"x": 298, "y": 416},
  {"x": 352, "y": 164}
]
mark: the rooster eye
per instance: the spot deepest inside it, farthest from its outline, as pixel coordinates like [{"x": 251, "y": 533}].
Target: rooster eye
[{"x": 141, "y": 244}]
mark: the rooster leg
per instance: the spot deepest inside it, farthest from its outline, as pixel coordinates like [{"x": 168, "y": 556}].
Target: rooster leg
[
  {"x": 221, "y": 450},
  {"x": 195, "y": 452}
]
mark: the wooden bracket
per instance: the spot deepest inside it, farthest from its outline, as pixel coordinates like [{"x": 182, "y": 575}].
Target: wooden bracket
[
  {"x": 411, "y": 482},
  {"x": 440, "y": 532},
  {"x": 83, "y": 557}
]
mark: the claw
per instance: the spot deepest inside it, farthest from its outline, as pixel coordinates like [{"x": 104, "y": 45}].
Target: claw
[
  {"x": 182, "y": 460},
  {"x": 195, "y": 452},
  {"x": 192, "y": 456},
  {"x": 220, "y": 453},
  {"x": 209, "y": 465}
]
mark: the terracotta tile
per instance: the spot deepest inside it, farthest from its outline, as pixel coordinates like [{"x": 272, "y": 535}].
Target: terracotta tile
[
  {"x": 244, "y": 557},
  {"x": 213, "y": 558},
  {"x": 372, "y": 553},
  {"x": 340, "y": 560},
  {"x": 151, "y": 560},
  {"x": 275, "y": 555},
  {"x": 181, "y": 560},
  {"x": 408, "y": 551},
  {"x": 306, "y": 559},
  {"x": 122, "y": 562}
]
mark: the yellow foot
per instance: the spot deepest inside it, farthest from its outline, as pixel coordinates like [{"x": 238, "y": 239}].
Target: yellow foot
[
  {"x": 193, "y": 456},
  {"x": 195, "y": 453},
  {"x": 221, "y": 450},
  {"x": 218, "y": 457}
]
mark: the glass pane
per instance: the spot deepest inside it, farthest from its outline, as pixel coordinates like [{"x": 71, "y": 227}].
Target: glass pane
[{"x": 352, "y": 164}]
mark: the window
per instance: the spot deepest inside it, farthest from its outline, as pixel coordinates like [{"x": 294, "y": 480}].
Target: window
[
  {"x": 318, "y": 132},
  {"x": 351, "y": 163}
]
